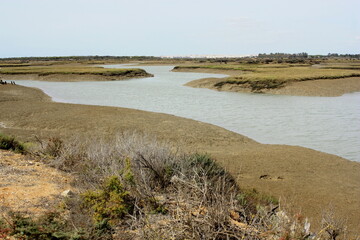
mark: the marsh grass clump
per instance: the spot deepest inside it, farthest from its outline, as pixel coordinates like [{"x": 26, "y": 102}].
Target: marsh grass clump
[
  {"x": 254, "y": 196},
  {"x": 51, "y": 225},
  {"x": 254, "y": 85},
  {"x": 110, "y": 202},
  {"x": 243, "y": 67},
  {"x": 9, "y": 143},
  {"x": 74, "y": 69}
]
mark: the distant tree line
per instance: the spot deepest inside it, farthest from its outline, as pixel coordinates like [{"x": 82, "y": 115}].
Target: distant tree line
[
  {"x": 336, "y": 55},
  {"x": 305, "y": 55},
  {"x": 261, "y": 58},
  {"x": 80, "y": 58},
  {"x": 283, "y": 55}
]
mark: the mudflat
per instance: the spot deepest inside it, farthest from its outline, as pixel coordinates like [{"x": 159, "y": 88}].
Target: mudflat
[{"x": 309, "y": 181}]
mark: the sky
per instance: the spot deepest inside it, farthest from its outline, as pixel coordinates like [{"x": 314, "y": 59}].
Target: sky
[{"x": 177, "y": 27}]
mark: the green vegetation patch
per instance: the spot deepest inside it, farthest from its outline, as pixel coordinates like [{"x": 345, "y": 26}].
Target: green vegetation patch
[
  {"x": 14, "y": 65},
  {"x": 258, "y": 77},
  {"x": 253, "y": 196},
  {"x": 256, "y": 86},
  {"x": 348, "y": 66},
  {"x": 50, "y": 226},
  {"x": 110, "y": 202},
  {"x": 80, "y": 70},
  {"x": 219, "y": 67},
  {"x": 9, "y": 143},
  {"x": 297, "y": 74}
]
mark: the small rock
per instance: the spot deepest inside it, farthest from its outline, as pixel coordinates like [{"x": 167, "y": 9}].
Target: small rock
[{"x": 67, "y": 193}]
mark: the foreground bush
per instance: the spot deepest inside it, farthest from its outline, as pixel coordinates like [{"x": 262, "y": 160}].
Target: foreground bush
[
  {"x": 50, "y": 226},
  {"x": 134, "y": 187},
  {"x": 111, "y": 202}
]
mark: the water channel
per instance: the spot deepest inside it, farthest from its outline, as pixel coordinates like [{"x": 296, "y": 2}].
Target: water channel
[{"x": 327, "y": 124}]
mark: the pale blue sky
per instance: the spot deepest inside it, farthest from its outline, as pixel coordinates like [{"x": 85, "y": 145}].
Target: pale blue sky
[{"x": 177, "y": 27}]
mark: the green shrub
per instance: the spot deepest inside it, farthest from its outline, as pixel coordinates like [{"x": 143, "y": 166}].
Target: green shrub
[
  {"x": 109, "y": 203},
  {"x": 50, "y": 226},
  {"x": 9, "y": 143},
  {"x": 253, "y": 196},
  {"x": 203, "y": 165}
]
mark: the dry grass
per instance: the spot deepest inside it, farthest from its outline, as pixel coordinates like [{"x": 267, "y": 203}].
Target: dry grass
[
  {"x": 174, "y": 195},
  {"x": 351, "y": 66},
  {"x": 298, "y": 74},
  {"x": 267, "y": 76},
  {"x": 288, "y": 72}
]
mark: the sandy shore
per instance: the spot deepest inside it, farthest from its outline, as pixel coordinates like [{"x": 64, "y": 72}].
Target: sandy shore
[
  {"x": 310, "y": 180},
  {"x": 322, "y": 88},
  {"x": 28, "y": 185}
]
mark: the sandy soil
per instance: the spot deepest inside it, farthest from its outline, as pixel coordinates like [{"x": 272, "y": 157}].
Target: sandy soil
[
  {"x": 29, "y": 186},
  {"x": 310, "y": 180},
  {"x": 322, "y": 88}
]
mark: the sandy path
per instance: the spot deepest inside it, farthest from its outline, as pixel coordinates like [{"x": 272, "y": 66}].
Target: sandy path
[
  {"x": 309, "y": 179},
  {"x": 27, "y": 185}
]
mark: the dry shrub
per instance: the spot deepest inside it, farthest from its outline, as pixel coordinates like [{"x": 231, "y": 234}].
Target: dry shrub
[
  {"x": 332, "y": 226},
  {"x": 174, "y": 195}
]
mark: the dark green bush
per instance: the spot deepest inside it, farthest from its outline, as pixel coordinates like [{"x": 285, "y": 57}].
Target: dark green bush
[
  {"x": 253, "y": 196},
  {"x": 51, "y": 226},
  {"x": 109, "y": 203},
  {"x": 204, "y": 165},
  {"x": 9, "y": 143}
]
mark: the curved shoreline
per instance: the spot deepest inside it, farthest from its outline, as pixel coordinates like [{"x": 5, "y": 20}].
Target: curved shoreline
[
  {"x": 316, "y": 88},
  {"x": 72, "y": 77},
  {"x": 307, "y": 179}
]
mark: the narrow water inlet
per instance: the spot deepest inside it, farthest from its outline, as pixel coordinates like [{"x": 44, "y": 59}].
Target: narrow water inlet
[{"x": 328, "y": 124}]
